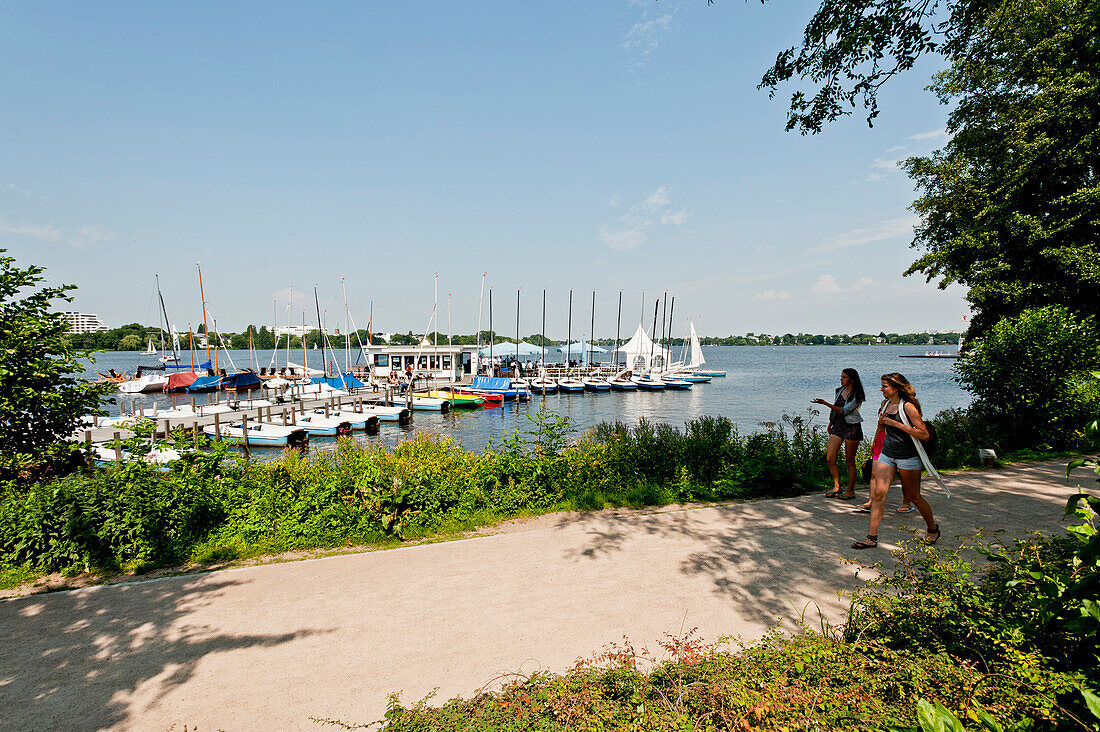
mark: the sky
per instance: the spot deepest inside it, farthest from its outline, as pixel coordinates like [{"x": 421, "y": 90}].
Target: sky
[{"x": 392, "y": 149}]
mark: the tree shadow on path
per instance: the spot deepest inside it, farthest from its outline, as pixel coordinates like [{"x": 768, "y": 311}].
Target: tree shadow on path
[
  {"x": 77, "y": 659},
  {"x": 773, "y": 558}
]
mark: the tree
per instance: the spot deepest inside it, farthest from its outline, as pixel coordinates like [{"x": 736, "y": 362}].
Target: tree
[
  {"x": 1010, "y": 206},
  {"x": 850, "y": 48},
  {"x": 130, "y": 342},
  {"x": 1030, "y": 377},
  {"x": 42, "y": 395}
]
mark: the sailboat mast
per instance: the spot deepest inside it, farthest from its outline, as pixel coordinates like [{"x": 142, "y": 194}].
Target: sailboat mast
[
  {"x": 516, "y": 366},
  {"x": 305, "y": 364},
  {"x": 569, "y": 334},
  {"x": 251, "y": 351},
  {"x": 656, "y": 307},
  {"x": 347, "y": 335},
  {"x": 480, "y": 304},
  {"x": 167, "y": 325},
  {"x": 618, "y": 323},
  {"x": 664, "y": 316},
  {"x": 324, "y": 353},
  {"x": 205, "y": 327},
  {"x": 671, "y": 310},
  {"x": 492, "y": 369},
  {"x": 191, "y": 346},
  {"x": 592, "y": 329},
  {"x": 542, "y": 369}
]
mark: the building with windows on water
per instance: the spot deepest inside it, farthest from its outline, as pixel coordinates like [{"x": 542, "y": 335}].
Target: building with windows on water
[{"x": 83, "y": 322}]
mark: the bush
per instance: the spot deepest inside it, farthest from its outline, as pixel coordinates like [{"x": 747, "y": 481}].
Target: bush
[
  {"x": 1029, "y": 378},
  {"x": 210, "y": 506}
]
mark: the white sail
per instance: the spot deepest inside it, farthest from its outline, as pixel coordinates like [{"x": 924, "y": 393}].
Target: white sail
[{"x": 697, "y": 359}]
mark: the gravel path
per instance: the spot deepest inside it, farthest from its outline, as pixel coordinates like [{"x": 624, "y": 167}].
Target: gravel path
[{"x": 272, "y": 646}]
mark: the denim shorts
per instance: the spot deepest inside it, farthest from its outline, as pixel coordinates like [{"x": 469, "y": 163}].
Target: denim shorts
[{"x": 912, "y": 463}]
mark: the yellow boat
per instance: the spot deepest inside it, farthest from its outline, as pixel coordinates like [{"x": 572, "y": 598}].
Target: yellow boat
[{"x": 458, "y": 400}]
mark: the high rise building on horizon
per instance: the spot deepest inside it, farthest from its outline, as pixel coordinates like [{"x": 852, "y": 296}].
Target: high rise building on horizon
[{"x": 83, "y": 322}]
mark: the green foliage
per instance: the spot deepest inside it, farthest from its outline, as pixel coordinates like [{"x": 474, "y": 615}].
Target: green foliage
[
  {"x": 210, "y": 507},
  {"x": 42, "y": 396},
  {"x": 1029, "y": 377},
  {"x": 1010, "y": 205}
]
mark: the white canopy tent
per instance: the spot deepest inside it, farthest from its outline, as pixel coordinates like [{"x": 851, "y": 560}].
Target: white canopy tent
[
  {"x": 581, "y": 349},
  {"x": 643, "y": 355}
]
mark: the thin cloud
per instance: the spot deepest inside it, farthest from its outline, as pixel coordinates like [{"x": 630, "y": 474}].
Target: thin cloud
[
  {"x": 773, "y": 295},
  {"x": 83, "y": 236},
  {"x": 934, "y": 134},
  {"x": 647, "y": 34},
  {"x": 631, "y": 230},
  {"x": 885, "y": 230},
  {"x": 886, "y": 163}
]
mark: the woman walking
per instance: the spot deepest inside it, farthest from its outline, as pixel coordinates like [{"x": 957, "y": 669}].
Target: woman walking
[
  {"x": 901, "y": 420},
  {"x": 844, "y": 428}
]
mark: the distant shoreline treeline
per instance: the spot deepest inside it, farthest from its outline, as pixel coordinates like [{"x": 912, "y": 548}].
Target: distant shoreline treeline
[{"x": 136, "y": 337}]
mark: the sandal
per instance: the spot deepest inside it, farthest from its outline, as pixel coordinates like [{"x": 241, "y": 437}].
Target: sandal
[
  {"x": 899, "y": 509},
  {"x": 833, "y": 493},
  {"x": 928, "y": 537},
  {"x": 870, "y": 543},
  {"x": 862, "y": 509},
  {"x": 846, "y": 498}
]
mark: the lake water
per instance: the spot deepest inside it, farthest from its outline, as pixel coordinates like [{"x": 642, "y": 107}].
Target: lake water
[{"x": 762, "y": 384}]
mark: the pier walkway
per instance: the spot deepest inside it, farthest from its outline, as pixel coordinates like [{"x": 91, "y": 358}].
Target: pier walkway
[{"x": 270, "y": 646}]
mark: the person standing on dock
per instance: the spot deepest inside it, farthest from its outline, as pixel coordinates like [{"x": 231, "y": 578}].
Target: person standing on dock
[{"x": 844, "y": 428}]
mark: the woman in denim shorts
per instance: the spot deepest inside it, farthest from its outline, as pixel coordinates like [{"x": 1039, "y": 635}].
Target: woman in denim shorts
[
  {"x": 844, "y": 429},
  {"x": 899, "y": 454}
]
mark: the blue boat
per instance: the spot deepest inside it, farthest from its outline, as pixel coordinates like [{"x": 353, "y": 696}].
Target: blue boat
[{"x": 496, "y": 385}]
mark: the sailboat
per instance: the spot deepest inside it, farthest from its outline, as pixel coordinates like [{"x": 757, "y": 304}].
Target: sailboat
[
  {"x": 541, "y": 384},
  {"x": 151, "y": 350},
  {"x": 694, "y": 366},
  {"x": 591, "y": 383},
  {"x": 620, "y": 381},
  {"x": 568, "y": 384}
]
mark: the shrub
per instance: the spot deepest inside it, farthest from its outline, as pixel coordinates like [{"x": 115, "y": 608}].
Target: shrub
[{"x": 1028, "y": 377}]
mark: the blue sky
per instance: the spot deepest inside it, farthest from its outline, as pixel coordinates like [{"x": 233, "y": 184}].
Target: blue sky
[{"x": 613, "y": 145}]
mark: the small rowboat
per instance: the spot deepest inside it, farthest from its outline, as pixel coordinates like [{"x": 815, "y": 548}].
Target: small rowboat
[
  {"x": 674, "y": 383},
  {"x": 592, "y": 384},
  {"x": 356, "y": 420},
  {"x": 544, "y": 386},
  {"x": 619, "y": 384},
  {"x": 648, "y": 383},
  {"x": 401, "y": 415},
  {"x": 261, "y": 434},
  {"x": 316, "y": 423},
  {"x": 699, "y": 372},
  {"x": 490, "y": 397},
  {"x": 571, "y": 386},
  {"x": 467, "y": 401},
  {"x": 423, "y": 403}
]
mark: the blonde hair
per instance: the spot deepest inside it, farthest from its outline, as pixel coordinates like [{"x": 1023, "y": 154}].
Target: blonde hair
[{"x": 904, "y": 388}]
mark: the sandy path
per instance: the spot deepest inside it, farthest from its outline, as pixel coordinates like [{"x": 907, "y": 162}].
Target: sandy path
[{"x": 271, "y": 646}]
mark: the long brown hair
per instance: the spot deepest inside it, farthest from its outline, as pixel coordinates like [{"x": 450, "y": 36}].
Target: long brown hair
[
  {"x": 905, "y": 389},
  {"x": 857, "y": 385}
]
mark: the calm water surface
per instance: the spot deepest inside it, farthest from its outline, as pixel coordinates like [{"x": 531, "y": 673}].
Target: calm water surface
[{"x": 762, "y": 384}]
